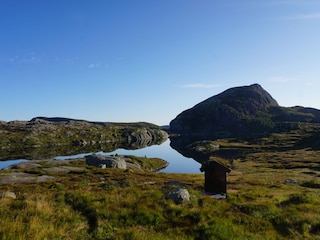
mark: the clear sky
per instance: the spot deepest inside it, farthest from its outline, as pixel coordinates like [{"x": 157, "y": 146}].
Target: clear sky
[{"x": 148, "y": 60}]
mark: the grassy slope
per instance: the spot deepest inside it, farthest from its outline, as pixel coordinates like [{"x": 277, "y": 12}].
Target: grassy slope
[{"x": 113, "y": 204}]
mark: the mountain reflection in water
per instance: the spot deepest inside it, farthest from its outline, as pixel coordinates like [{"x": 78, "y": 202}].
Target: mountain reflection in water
[
  {"x": 177, "y": 162},
  {"x": 186, "y": 146},
  {"x": 181, "y": 158}
]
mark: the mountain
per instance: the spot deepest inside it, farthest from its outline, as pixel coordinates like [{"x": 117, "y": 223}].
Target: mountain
[{"x": 246, "y": 111}]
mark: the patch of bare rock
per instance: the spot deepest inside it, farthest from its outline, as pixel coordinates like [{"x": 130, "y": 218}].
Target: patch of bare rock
[{"x": 20, "y": 177}]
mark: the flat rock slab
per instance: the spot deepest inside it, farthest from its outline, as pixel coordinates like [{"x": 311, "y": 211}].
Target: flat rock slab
[
  {"x": 62, "y": 162},
  {"x": 37, "y": 163},
  {"x": 23, "y": 178},
  {"x": 64, "y": 169},
  {"x": 23, "y": 165}
]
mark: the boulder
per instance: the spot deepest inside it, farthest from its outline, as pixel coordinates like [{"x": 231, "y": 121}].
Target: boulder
[
  {"x": 179, "y": 195},
  {"x": 106, "y": 161},
  {"x": 8, "y": 195}
]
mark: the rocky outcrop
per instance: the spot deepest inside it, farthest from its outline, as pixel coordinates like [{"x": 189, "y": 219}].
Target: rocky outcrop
[
  {"x": 59, "y": 136},
  {"x": 247, "y": 111},
  {"x": 106, "y": 161},
  {"x": 143, "y": 137}
]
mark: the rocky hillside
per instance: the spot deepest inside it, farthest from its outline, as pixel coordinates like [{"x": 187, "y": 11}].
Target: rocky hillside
[
  {"x": 246, "y": 111},
  {"x": 60, "y": 132}
]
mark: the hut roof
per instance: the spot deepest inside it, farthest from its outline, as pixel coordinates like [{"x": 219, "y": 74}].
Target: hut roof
[{"x": 215, "y": 164}]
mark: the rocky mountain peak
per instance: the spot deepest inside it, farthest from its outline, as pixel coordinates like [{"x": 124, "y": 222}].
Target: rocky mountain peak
[
  {"x": 254, "y": 91},
  {"x": 237, "y": 112},
  {"x": 247, "y": 98}
]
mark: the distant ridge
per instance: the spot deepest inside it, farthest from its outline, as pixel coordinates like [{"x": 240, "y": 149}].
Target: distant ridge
[
  {"x": 239, "y": 112},
  {"x": 56, "y": 119},
  {"x": 72, "y": 120}
]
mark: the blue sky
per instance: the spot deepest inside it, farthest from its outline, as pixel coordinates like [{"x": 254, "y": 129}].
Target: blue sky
[{"x": 143, "y": 60}]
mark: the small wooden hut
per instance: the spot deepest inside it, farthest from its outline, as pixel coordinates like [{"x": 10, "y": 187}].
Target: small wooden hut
[{"x": 215, "y": 177}]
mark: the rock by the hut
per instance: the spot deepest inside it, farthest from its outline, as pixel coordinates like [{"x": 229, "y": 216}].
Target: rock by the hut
[
  {"x": 8, "y": 195},
  {"x": 109, "y": 161},
  {"x": 179, "y": 195}
]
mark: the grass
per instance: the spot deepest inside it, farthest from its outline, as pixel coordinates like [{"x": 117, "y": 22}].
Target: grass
[
  {"x": 272, "y": 194},
  {"x": 113, "y": 204}
]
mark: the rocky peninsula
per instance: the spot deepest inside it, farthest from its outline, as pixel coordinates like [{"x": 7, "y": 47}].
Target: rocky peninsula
[{"x": 43, "y": 137}]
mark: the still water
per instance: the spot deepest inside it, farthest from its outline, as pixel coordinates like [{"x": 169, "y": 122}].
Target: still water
[{"x": 177, "y": 162}]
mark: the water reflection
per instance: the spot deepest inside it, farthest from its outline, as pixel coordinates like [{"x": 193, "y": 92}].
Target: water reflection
[
  {"x": 178, "y": 151},
  {"x": 37, "y": 153},
  {"x": 196, "y": 149},
  {"x": 177, "y": 162},
  {"x": 215, "y": 162},
  {"x": 4, "y": 164}
]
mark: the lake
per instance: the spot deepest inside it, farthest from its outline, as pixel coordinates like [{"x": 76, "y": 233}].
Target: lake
[{"x": 177, "y": 162}]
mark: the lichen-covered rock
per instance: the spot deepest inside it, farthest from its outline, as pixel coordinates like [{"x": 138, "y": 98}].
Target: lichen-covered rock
[
  {"x": 106, "y": 161},
  {"x": 179, "y": 195}
]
